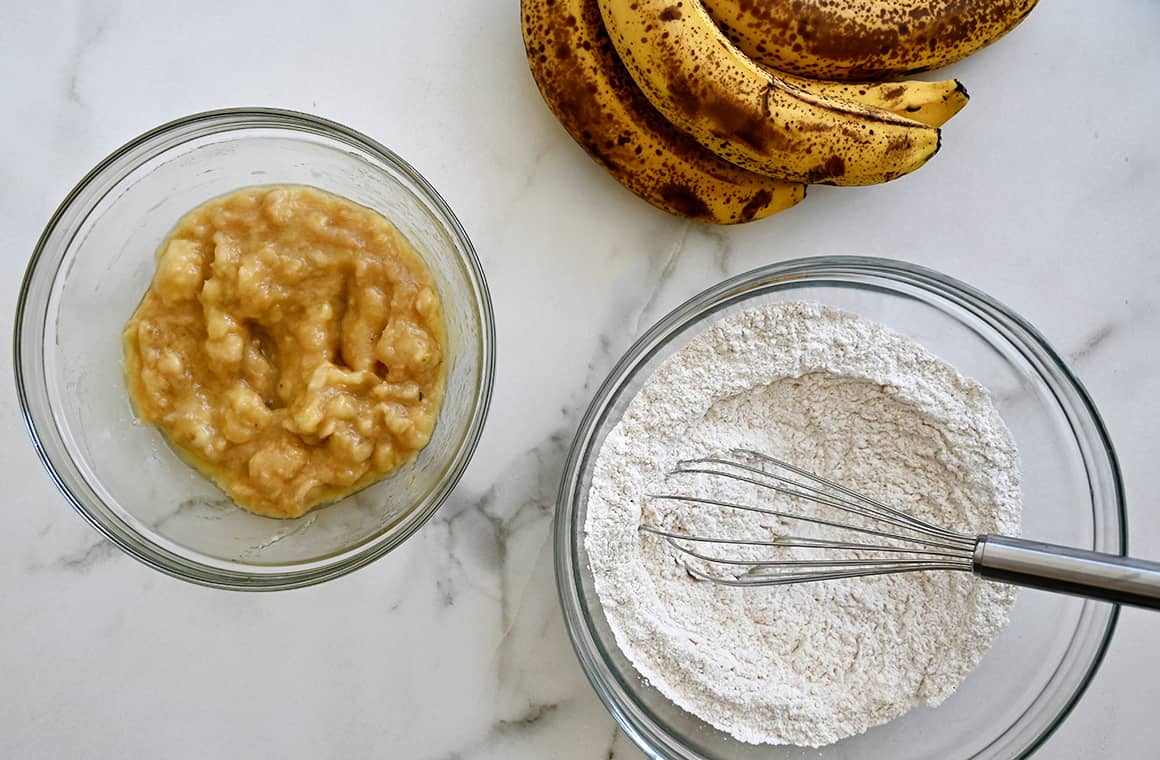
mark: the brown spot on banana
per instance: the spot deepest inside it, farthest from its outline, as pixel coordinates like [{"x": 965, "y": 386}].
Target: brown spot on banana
[
  {"x": 701, "y": 83},
  {"x": 828, "y": 172},
  {"x": 864, "y": 39},
  {"x": 685, "y": 201},
  {"x": 598, "y": 104},
  {"x": 755, "y": 204},
  {"x": 892, "y": 94}
]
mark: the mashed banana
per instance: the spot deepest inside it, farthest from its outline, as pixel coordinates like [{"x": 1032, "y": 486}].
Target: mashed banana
[{"x": 290, "y": 347}]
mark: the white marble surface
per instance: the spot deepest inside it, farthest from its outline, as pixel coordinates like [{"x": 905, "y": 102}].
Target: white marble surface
[{"x": 1045, "y": 194}]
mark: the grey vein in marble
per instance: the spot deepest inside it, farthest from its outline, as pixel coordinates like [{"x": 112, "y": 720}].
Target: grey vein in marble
[
  {"x": 533, "y": 715},
  {"x": 84, "y": 560},
  {"x": 1093, "y": 342},
  {"x": 611, "y": 755},
  {"x": 502, "y": 537},
  {"x": 672, "y": 257},
  {"x": 92, "y": 31},
  {"x": 722, "y": 248}
]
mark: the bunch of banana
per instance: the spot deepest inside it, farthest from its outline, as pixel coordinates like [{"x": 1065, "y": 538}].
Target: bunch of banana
[{"x": 657, "y": 93}]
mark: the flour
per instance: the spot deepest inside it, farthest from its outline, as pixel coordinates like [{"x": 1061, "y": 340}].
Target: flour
[{"x": 806, "y": 664}]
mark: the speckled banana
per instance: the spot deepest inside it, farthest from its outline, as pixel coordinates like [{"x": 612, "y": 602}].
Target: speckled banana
[
  {"x": 864, "y": 39},
  {"x": 931, "y": 103},
  {"x": 593, "y": 96},
  {"x": 705, "y": 86}
]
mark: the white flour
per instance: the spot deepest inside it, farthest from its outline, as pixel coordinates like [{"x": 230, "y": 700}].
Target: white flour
[{"x": 806, "y": 664}]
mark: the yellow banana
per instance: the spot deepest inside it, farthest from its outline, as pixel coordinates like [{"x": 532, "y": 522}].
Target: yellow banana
[
  {"x": 705, "y": 86},
  {"x": 864, "y": 39},
  {"x": 931, "y": 103},
  {"x": 588, "y": 89}
]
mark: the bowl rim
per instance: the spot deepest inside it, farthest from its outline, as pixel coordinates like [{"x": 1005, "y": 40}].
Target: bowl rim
[
  {"x": 630, "y": 716},
  {"x": 141, "y": 547}
]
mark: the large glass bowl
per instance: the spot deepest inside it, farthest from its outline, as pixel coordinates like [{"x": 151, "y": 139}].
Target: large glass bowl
[
  {"x": 1040, "y": 664},
  {"x": 89, "y": 271}
]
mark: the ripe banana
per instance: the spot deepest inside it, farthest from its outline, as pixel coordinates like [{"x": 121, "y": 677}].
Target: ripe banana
[
  {"x": 931, "y": 103},
  {"x": 705, "y": 86},
  {"x": 864, "y": 39},
  {"x": 590, "y": 92}
]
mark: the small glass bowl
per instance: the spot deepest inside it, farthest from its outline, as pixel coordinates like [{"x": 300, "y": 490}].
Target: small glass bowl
[
  {"x": 1039, "y": 665},
  {"x": 89, "y": 271}
]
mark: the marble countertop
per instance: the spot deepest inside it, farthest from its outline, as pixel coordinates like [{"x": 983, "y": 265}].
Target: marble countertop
[{"x": 1044, "y": 194}]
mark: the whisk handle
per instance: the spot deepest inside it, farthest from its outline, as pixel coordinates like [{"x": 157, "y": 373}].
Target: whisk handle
[{"x": 1108, "y": 577}]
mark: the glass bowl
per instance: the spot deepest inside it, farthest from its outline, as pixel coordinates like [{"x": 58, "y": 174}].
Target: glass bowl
[
  {"x": 1039, "y": 665},
  {"x": 90, "y": 269}
]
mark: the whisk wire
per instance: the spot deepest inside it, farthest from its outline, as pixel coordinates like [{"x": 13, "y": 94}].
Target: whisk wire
[
  {"x": 789, "y": 579},
  {"x": 856, "y": 504},
  {"x": 808, "y": 519},
  {"x": 916, "y": 544},
  {"x": 911, "y": 519},
  {"x": 813, "y": 563},
  {"x": 796, "y": 541}
]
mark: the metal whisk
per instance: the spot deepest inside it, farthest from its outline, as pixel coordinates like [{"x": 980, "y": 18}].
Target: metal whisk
[{"x": 900, "y": 543}]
